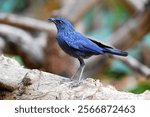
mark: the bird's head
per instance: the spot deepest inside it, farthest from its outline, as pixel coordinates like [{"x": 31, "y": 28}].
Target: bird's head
[{"x": 61, "y": 24}]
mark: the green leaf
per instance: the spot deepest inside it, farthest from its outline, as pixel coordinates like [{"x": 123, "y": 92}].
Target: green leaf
[{"x": 140, "y": 88}]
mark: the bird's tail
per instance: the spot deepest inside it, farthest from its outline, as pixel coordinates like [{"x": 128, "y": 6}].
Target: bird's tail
[
  {"x": 110, "y": 50},
  {"x": 115, "y": 51}
]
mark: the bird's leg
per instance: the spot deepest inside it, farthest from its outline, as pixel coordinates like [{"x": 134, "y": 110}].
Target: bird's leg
[
  {"x": 79, "y": 72},
  {"x": 74, "y": 76},
  {"x": 82, "y": 66}
]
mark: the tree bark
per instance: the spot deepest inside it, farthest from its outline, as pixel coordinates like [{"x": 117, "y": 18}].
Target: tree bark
[{"x": 17, "y": 82}]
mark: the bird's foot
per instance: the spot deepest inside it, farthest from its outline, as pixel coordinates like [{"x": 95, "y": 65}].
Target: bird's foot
[
  {"x": 73, "y": 81},
  {"x": 65, "y": 80},
  {"x": 77, "y": 77},
  {"x": 74, "y": 77}
]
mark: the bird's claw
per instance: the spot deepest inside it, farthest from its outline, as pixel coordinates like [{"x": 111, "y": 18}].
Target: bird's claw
[{"x": 74, "y": 83}]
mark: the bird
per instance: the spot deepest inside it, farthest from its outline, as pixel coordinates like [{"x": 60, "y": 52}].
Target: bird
[{"x": 79, "y": 46}]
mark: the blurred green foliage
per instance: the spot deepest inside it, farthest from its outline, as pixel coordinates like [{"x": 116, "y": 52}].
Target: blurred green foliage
[
  {"x": 108, "y": 18},
  {"x": 120, "y": 67},
  {"x": 19, "y": 59},
  {"x": 12, "y": 5},
  {"x": 113, "y": 74},
  {"x": 147, "y": 40},
  {"x": 140, "y": 88}
]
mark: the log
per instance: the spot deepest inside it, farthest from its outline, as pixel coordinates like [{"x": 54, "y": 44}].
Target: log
[{"x": 17, "y": 82}]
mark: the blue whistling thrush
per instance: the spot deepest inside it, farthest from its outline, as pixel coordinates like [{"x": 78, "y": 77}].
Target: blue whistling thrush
[{"x": 79, "y": 46}]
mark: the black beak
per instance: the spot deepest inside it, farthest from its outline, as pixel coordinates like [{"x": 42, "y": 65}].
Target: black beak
[{"x": 52, "y": 20}]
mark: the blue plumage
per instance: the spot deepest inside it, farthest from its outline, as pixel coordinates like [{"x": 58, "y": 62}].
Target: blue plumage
[{"x": 79, "y": 46}]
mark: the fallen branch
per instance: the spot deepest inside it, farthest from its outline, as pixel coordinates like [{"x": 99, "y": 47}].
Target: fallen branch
[
  {"x": 24, "y": 41},
  {"x": 20, "y": 83},
  {"x": 25, "y": 22},
  {"x": 135, "y": 65}
]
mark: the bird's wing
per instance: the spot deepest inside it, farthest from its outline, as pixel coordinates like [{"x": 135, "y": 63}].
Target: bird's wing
[
  {"x": 82, "y": 43},
  {"x": 100, "y": 44},
  {"x": 110, "y": 50}
]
